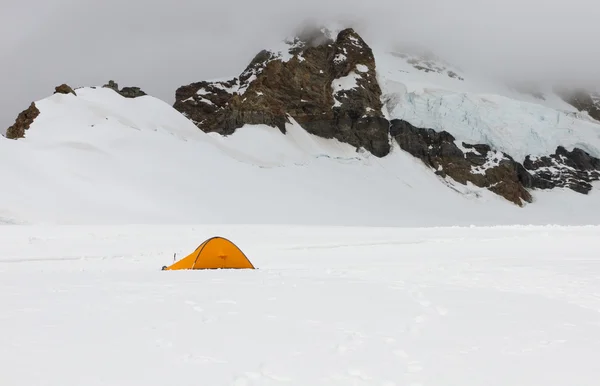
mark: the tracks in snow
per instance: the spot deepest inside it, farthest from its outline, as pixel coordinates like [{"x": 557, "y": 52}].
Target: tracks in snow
[{"x": 338, "y": 336}]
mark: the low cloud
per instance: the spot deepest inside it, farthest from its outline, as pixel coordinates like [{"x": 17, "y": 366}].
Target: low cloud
[{"x": 160, "y": 45}]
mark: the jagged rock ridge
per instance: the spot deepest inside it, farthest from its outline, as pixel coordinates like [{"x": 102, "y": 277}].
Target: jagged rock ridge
[
  {"x": 485, "y": 167},
  {"x": 564, "y": 169},
  {"x": 328, "y": 86},
  {"x": 478, "y": 164}
]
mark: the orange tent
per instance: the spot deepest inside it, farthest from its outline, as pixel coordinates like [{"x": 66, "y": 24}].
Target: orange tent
[{"x": 214, "y": 253}]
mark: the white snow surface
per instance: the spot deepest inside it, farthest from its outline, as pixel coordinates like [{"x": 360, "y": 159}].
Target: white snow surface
[
  {"x": 478, "y": 110},
  {"x": 100, "y": 158},
  {"x": 345, "y": 83},
  {"x": 89, "y": 305},
  {"x": 84, "y": 300}
]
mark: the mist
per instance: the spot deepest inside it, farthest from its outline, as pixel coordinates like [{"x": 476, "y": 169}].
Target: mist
[{"x": 161, "y": 45}]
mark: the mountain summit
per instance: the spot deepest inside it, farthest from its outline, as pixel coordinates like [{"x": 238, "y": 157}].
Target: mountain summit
[
  {"x": 346, "y": 131},
  {"x": 328, "y": 86}
]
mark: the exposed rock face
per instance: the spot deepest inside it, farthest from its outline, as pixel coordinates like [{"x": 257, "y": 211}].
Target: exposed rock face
[
  {"x": 22, "y": 123},
  {"x": 64, "y": 89},
  {"x": 582, "y": 100},
  {"x": 329, "y": 87},
  {"x": 127, "y": 92},
  {"x": 478, "y": 164},
  {"x": 495, "y": 170},
  {"x": 132, "y": 92},
  {"x": 564, "y": 169}
]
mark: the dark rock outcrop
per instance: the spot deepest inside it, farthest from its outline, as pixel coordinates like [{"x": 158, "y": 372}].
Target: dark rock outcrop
[
  {"x": 132, "y": 92},
  {"x": 495, "y": 170},
  {"x": 112, "y": 85},
  {"x": 127, "y": 92},
  {"x": 478, "y": 164},
  {"x": 23, "y": 122},
  {"x": 64, "y": 89},
  {"x": 574, "y": 169},
  {"x": 329, "y": 87}
]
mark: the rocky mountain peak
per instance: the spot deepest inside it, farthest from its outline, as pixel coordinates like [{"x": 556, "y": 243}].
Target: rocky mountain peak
[{"x": 328, "y": 86}]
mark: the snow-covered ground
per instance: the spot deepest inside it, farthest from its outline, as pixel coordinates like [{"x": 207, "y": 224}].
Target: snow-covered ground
[
  {"x": 99, "y": 158},
  {"x": 84, "y": 300},
  {"x": 89, "y": 305}
]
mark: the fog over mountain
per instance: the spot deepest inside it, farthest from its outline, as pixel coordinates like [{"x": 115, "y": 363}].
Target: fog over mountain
[{"x": 159, "y": 45}]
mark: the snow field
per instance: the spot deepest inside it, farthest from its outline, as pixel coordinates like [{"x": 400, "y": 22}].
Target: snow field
[
  {"x": 326, "y": 306},
  {"x": 99, "y": 158},
  {"x": 87, "y": 304}
]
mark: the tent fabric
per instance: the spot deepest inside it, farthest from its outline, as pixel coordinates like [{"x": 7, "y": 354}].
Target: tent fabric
[{"x": 214, "y": 253}]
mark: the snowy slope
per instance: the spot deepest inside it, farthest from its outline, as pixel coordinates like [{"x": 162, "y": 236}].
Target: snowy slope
[
  {"x": 87, "y": 303},
  {"x": 479, "y": 110},
  {"x": 327, "y": 306},
  {"x": 99, "y": 158}
]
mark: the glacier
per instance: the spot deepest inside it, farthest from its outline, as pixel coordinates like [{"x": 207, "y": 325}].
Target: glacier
[{"x": 483, "y": 112}]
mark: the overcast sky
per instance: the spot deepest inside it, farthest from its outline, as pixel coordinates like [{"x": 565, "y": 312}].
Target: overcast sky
[{"x": 160, "y": 45}]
